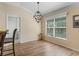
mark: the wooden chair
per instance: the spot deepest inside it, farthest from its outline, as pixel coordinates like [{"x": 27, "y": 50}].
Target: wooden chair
[
  {"x": 2, "y": 37},
  {"x": 11, "y": 40}
]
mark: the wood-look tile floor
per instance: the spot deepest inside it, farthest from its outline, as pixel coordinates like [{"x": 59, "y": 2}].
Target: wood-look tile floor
[{"x": 42, "y": 48}]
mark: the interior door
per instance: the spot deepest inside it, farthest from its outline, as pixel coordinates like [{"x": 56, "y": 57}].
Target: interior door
[{"x": 12, "y": 23}]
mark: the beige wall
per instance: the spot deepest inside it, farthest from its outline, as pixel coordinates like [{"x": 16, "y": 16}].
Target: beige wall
[
  {"x": 29, "y": 27},
  {"x": 72, "y": 33},
  {"x": 2, "y": 17}
]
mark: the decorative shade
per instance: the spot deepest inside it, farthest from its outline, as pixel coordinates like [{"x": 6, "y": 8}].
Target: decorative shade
[{"x": 37, "y": 15}]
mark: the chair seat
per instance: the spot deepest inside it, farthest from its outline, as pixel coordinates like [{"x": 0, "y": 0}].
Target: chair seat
[{"x": 8, "y": 40}]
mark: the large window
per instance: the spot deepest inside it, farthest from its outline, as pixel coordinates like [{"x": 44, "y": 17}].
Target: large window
[
  {"x": 56, "y": 27},
  {"x": 50, "y": 26}
]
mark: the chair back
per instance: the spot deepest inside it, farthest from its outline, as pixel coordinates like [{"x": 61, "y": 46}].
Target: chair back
[{"x": 2, "y": 37}]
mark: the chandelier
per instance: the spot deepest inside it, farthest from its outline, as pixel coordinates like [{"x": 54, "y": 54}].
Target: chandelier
[{"x": 37, "y": 15}]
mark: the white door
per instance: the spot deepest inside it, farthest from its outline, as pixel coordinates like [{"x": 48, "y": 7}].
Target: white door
[{"x": 12, "y": 23}]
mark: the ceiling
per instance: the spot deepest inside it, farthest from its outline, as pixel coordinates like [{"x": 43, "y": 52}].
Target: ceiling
[{"x": 44, "y": 7}]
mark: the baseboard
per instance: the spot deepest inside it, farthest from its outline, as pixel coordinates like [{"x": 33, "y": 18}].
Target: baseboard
[
  {"x": 73, "y": 49},
  {"x": 24, "y": 41},
  {"x": 77, "y": 50}
]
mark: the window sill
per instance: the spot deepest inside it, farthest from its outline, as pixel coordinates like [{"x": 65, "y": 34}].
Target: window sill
[
  {"x": 60, "y": 38},
  {"x": 57, "y": 37}
]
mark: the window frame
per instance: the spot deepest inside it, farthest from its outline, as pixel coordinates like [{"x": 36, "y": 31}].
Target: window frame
[{"x": 53, "y": 18}]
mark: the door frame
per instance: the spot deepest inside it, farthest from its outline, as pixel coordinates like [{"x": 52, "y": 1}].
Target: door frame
[{"x": 6, "y": 22}]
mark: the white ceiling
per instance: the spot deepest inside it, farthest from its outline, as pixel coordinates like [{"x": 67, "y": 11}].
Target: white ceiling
[{"x": 44, "y": 7}]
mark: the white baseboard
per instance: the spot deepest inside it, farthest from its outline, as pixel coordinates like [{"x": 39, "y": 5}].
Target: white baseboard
[
  {"x": 74, "y": 49},
  {"x": 27, "y": 39},
  {"x": 24, "y": 41}
]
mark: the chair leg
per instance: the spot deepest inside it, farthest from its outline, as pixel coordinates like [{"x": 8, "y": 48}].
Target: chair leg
[
  {"x": 13, "y": 49},
  {"x": 2, "y": 51}
]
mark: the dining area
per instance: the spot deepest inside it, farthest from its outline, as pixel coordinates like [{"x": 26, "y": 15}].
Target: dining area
[{"x": 4, "y": 41}]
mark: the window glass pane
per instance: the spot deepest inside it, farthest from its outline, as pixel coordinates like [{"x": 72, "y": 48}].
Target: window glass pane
[
  {"x": 60, "y": 22},
  {"x": 49, "y": 23},
  {"x": 50, "y": 31},
  {"x": 60, "y": 32}
]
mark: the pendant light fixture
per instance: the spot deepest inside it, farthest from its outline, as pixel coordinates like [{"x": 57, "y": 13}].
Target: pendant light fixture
[{"x": 37, "y": 15}]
